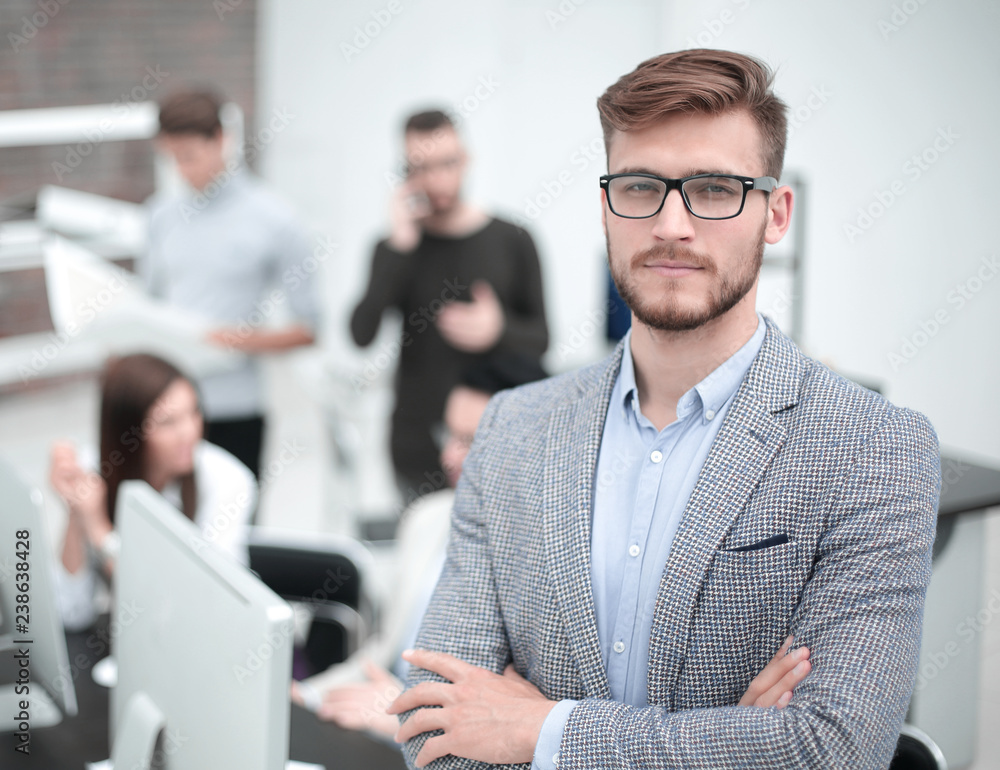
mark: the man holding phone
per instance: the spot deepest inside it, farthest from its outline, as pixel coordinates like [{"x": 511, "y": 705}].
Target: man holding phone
[{"x": 466, "y": 283}]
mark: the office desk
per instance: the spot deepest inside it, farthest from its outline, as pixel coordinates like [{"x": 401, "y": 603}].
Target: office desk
[
  {"x": 967, "y": 487},
  {"x": 84, "y": 738},
  {"x": 945, "y": 699},
  {"x": 313, "y": 740}
]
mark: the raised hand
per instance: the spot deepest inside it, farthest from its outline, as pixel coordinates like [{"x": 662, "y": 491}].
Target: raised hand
[{"x": 473, "y": 327}]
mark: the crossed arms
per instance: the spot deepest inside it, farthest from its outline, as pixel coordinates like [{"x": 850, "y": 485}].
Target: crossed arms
[{"x": 859, "y": 614}]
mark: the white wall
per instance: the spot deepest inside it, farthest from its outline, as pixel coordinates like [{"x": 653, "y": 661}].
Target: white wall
[
  {"x": 895, "y": 76},
  {"x": 878, "y": 96}
]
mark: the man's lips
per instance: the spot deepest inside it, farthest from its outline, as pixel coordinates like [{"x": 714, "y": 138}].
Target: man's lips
[{"x": 672, "y": 269}]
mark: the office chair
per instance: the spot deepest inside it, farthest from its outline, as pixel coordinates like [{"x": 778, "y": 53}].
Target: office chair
[
  {"x": 326, "y": 575},
  {"x": 916, "y": 750}
]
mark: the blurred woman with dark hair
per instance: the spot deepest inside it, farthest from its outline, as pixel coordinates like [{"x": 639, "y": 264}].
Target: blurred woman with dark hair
[{"x": 150, "y": 429}]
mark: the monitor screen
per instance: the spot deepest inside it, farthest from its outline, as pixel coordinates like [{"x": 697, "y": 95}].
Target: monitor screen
[
  {"x": 204, "y": 649},
  {"x": 36, "y": 682}
]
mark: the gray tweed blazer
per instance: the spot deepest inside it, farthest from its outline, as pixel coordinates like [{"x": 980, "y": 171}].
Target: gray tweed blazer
[{"x": 852, "y": 482}]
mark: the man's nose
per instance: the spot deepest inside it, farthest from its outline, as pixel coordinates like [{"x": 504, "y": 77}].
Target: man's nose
[{"x": 674, "y": 222}]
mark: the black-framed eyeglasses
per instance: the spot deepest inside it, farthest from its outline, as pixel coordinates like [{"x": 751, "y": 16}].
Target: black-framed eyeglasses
[{"x": 706, "y": 196}]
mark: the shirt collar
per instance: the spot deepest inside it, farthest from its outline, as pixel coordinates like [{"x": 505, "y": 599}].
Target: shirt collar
[{"x": 709, "y": 395}]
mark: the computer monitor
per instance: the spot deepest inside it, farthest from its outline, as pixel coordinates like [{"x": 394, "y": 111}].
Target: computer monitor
[
  {"x": 33, "y": 657},
  {"x": 204, "y": 649}
]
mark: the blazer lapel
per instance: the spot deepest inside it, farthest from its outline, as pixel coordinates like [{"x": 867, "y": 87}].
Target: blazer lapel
[
  {"x": 742, "y": 452},
  {"x": 567, "y": 490}
]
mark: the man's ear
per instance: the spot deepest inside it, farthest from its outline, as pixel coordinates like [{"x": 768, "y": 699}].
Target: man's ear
[{"x": 779, "y": 213}]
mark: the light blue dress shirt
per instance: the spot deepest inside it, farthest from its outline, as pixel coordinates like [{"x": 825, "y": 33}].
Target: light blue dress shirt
[
  {"x": 642, "y": 485},
  {"x": 234, "y": 255}
]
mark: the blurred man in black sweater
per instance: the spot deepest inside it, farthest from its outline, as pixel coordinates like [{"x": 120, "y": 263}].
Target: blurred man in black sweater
[{"x": 466, "y": 283}]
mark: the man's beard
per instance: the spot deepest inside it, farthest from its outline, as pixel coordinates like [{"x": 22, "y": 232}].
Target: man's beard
[
  {"x": 444, "y": 205},
  {"x": 665, "y": 314}
]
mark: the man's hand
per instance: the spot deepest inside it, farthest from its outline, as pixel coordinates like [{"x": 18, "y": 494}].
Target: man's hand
[
  {"x": 408, "y": 207},
  {"x": 497, "y": 719},
  {"x": 484, "y": 716},
  {"x": 252, "y": 341},
  {"x": 476, "y": 326},
  {"x": 362, "y": 706},
  {"x": 773, "y": 686}
]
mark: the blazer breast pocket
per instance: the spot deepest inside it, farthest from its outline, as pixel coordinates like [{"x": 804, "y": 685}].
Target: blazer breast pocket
[
  {"x": 775, "y": 557},
  {"x": 759, "y": 581},
  {"x": 742, "y": 614},
  {"x": 760, "y": 545}
]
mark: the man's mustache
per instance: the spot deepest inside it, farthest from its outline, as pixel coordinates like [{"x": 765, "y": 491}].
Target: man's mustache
[{"x": 673, "y": 253}]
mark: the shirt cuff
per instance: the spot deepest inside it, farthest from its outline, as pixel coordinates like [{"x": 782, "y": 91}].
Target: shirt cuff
[{"x": 547, "y": 749}]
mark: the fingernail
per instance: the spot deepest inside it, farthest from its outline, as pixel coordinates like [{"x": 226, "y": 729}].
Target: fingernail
[
  {"x": 799, "y": 668},
  {"x": 407, "y": 654}
]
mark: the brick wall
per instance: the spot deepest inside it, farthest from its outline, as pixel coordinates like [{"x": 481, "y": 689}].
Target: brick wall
[{"x": 62, "y": 53}]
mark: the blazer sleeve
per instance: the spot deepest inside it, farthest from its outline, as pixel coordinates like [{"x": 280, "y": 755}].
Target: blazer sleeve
[
  {"x": 464, "y": 618},
  {"x": 860, "y": 615}
]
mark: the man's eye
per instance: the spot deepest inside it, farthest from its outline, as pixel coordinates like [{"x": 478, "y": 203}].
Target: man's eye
[
  {"x": 641, "y": 187},
  {"x": 713, "y": 187}
]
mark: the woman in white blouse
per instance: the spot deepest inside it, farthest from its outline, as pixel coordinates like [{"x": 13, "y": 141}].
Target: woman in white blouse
[{"x": 151, "y": 429}]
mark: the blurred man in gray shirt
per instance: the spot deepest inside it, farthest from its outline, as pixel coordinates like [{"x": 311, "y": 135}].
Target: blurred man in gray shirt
[{"x": 233, "y": 252}]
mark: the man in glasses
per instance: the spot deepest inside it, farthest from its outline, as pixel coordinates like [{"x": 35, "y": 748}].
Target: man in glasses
[
  {"x": 636, "y": 539},
  {"x": 466, "y": 284}
]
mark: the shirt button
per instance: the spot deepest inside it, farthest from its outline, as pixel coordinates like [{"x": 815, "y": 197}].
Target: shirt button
[
  {"x": 633, "y": 550},
  {"x": 709, "y": 414},
  {"x": 619, "y": 647},
  {"x": 555, "y": 759},
  {"x": 656, "y": 456}
]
